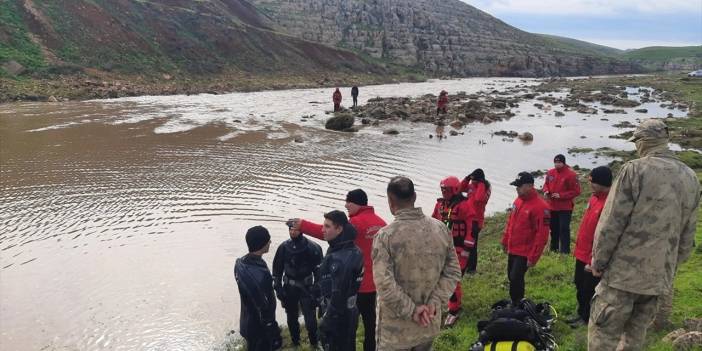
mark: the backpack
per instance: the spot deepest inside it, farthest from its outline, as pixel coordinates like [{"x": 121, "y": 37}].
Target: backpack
[{"x": 508, "y": 325}]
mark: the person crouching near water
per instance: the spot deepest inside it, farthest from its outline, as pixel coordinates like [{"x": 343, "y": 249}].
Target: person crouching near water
[
  {"x": 442, "y": 103},
  {"x": 294, "y": 265},
  {"x": 336, "y": 97},
  {"x": 526, "y": 234},
  {"x": 257, "y": 319},
  {"x": 456, "y": 212},
  {"x": 600, "y": 181},
  {"x": 340, "y": 276}
]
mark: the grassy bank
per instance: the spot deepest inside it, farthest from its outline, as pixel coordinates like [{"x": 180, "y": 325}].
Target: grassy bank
[{"x": 550, "y": 280}]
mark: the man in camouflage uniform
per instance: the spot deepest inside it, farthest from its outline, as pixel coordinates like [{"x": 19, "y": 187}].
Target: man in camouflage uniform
[
  {"x": 415, "y": 271},
  {"x": 646, "y": 230}
]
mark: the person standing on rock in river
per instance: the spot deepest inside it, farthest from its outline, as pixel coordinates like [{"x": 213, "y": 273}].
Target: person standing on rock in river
[
  {"x": 526, "y": 233},
  {"x": 456, "y": 212},
  {"x": 646, "y": 231},
  {"x": 478, "y": 190},
  {"x": 415, "y": 269},
  {"x": 560, "y": 190},
  {"x": 336, "y": 98},
  {"x": 442, "y": 103},
  {"x": 257, "y": 319},
  {"x": 354, "y": 95},
  {"x": 294, "y": 265},
  {"x": 363, "y": 218},
  {"x": 600, "y": 181},
  {"x": 340, "y": 276}
]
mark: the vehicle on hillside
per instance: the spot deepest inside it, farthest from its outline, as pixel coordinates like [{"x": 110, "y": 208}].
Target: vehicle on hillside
[{"x": 697, "y": 73}]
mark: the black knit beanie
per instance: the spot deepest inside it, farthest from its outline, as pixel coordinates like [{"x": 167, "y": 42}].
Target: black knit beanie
[
  {"x": 257, "y": 237},
  {"x": 602, "y": 175},
  {"x": 357, "y": 197},
  {"x": 559, "y": 158}
]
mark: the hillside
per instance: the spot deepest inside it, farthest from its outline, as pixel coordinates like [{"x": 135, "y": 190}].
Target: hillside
[
  {"x": 441, "y": 37},
  {"x": 667, "y": 58},
  {"x": 201, "y": 37},
  {"x": 585, "y": 47}
]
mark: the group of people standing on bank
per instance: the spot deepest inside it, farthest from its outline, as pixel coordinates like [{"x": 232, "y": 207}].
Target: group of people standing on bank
[{"x": 401, "y": 276}]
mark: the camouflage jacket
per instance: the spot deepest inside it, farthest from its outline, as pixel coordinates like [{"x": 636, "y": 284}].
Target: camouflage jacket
[
  {"x": 648, "y": 224},
  {"x": 414, "y": 263}
]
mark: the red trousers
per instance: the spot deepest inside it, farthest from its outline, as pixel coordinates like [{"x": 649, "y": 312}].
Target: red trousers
[{"x": 454, "y": 304}]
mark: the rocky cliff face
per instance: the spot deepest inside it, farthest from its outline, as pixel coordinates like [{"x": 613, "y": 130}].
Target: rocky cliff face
[{"x": 443, "y": 37}]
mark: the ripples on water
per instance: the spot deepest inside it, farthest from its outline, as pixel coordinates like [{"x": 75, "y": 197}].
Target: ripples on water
[{"x": 120, "y": 220}]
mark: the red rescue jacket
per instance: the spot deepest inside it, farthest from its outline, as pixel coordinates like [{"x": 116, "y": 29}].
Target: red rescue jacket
[
  {"x": 367, "y": 224},
  {"x": 586, "y": 232},
  {"x": 337, "y": 97},
  {"x": 527, "y": 228},
  {"x": 565, "y": 182},
  {"x": 478, "y": 196},
  {"x": 443, "y": 101},
  {"x": 458, "y": 215}
]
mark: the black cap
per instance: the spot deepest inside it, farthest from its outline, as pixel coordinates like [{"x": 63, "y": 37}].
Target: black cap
[
  {"x": 357, "y": 197},
  {"x": 257, "y": 237},
  {"x": 523, "y": 178},
  {"x": 602, "y": 175},
  {"x": 559, "y": 158}
]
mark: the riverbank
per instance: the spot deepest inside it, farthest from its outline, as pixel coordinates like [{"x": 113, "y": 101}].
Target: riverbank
[
  {"x": 103, "y": 85},
  {"x": 550, "y": 280}
]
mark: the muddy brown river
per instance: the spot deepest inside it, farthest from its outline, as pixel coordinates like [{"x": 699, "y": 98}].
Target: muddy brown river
[{"x": 120, "y": 220}]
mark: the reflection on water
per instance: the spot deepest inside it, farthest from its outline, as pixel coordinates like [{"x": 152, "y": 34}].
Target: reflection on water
[{"x": 120, "y": 220}]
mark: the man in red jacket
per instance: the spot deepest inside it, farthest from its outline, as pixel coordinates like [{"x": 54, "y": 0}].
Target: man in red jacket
[
  {"x": 442, "y": 103},
  {"x": 478, "y": 190},
  {"x": 336, "y": 97},
  {"x": 560, "y": 189},
  {"x": 456, "y": 212},
  {"x": 585, "y": 283},
  {"x": 525, "y": 235},
  {"x": 367, "y": 224}
]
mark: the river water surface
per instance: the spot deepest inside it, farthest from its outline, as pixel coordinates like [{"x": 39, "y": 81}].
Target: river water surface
[{"x": 120, "y": 220}]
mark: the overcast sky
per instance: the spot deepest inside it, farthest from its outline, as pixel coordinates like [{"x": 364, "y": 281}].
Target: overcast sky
[{"x": 623, "y": 24}]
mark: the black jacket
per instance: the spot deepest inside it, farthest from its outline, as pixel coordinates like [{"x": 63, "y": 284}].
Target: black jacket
[
  {"x": 354, "y": 91},
  {"x": 295, "y": 264},
  {"x": 257, "y": 298},
  {"x": 340, "y": 276}
]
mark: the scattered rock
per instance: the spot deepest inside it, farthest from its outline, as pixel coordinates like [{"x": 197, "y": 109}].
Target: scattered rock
[
  {"x": 624, "y": 124},
  {"x": 693, "y": 324},
  {"x": 365, "y": 121},
  {"x": 340, "y": 122},
  {"x": 583, "y": 137},
  {"x": 670, "y": 115},
  {"x": 391, "y": 131},
  {"x": 559, "y": 126},
  {"x": 587, "y": 110},
  {"x": 688, "y": 341},
  {"x": 52, "y": 99},
  {"x": 559, "y": 114},
  {"x": 453, "y": 133},
  {"x": 13, "y": 68},
  {"x": 298, "y": 139},
  {"x": 526, "y": 136},
  {"x": 167, "y": 76},
  {"x": 456, "y": 124},
  {"x": 616, "y": 110},
  {"x": 510, "y": 134},
  {"x": 641, "y": 110}
]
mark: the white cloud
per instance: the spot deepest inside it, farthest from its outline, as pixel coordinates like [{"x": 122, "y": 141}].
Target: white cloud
[
  {"x": 588, "y": 7},
  {"x": 635, "y": 44}
]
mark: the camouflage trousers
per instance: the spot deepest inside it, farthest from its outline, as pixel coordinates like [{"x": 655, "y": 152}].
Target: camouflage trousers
[
  {"x": 619, "y": 319},
  {"x": 665, "y": 308}
]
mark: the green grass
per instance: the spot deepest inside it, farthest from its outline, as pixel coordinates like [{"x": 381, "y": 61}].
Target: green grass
[
  {"x": 664, "y": 53},
  {"x": 18, "y": 47}
]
